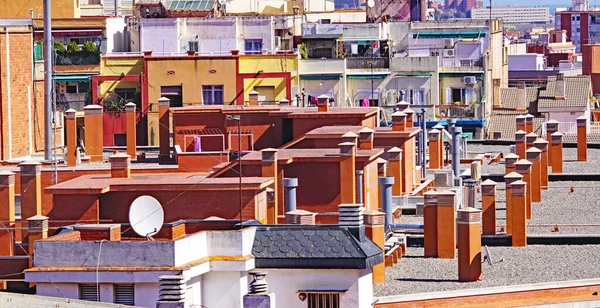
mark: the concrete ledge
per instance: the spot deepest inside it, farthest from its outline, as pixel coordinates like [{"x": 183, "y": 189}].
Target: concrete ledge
[
  {"x": 416, "y": 240},
  {"x": 581, "y": 177}
]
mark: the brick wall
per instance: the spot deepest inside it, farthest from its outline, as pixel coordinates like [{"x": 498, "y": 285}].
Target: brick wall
[{"x": 18, "y": 62}]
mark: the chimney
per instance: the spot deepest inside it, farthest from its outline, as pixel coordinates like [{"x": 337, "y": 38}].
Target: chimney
[
  {"x": 395, "y": 169},
  {"x": 556, "y": 153},
  {"x": 530, "y": 139},
  {"x": 258, "y": 296},
  {"x": 519, "y": 217},
  {"x": 365, "y": 138},
  {"x": 351, "y": 214},
  {"x": 446, "y": 216},
  {"x": 430, "y": 219},
  {"x": 542, "y": 145},
  {"x": 164, "y": 130},
  {"x": 521, "y": 122},
  {"x": 469, "y": 244},
  {"x": 120, "y": 165},
  {"x": 582, "y": 138},
  {"x": 551, "y": 128},
  {"x": 509, "y": 162},
  {"x": 253, "y": 98},
  {"x": 534, "y": 155},
  {"x": 559, "y": 87},
  {"x": 456, "y": 136},
  {"x": 71, "y": 127},
  {"x": 375, "y": 230},
  {"x": 381, "y": 167},
  {"x": 509, "y": 179},
  {"x": 476, "y": 171},
  {"x": 171, "y": 291},
  {"x": 410, "y": 118},
  {"x": 131, "y": 119},
  {"x": 521, "y": 98},
  {"x": 347, "y": 172},
  {"x": 386, "y": 198},
  {"x": 435, "y": 156},
  {"x": 470, "y": 192},
  {"x": 351, "y": 137},
  {"x": 323, "y": 103},
  {"x": 520, "y": 143},
  {"x": 529, "y": 123},
  {"x": 289, "y": 193},
  {"x": 93, "y": 132},
  {"x": 7, "y": 212},
  {"x": 401, "y": 106},
  {"x": 300, "y": 217},
  {"x": 270, "y": 170},
  {"x": 399, "y": 121},
  {"x": 37, "y": 229},
  {"x": 31, "y": 192},
  {"x": 488, "y": 207},
  {"x": 524, "y": 168},
  {"x": 441, "y": 143},
  {"x": 284, "y": 103}
]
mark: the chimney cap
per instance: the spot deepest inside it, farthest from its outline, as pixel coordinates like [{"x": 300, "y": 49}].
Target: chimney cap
[
  {"x": 556, "y": 134},
  {"x": 438, "y": 126},
  {"x": 289, "y": 182},
  {"x": 446, "y": 193},
  {"x": 386, "y": 180},
  {"x": 430, "y": 193},
  {"x": 513, "y": 175},
  {"x": 253, "y": 92},
  {"x": 30, "y": 163},
  {"x": 520, "y": 132},
  {"x": 529, "y": 116},
  {"x": 520, "y": 116},
  {"x": 434, "y": 131},
  {"x": 398, "y": 114},
  {"x": 395, "y": 150},
  {"x": 552, "y": 121},
  {"x": 533, "y": 150},
  {"x": 381, "y": 160},
  {"x": 518, "y": 183},
  {"x": 468, "y": 209},
  {"x": 323, "y": 96},
  {"x": 540, "y": 141},
  {"x": 408, "y": 110},
  {"x": 511, "y": 155},
  {"x": 532, "y": 135},
  {"x": 523, "y": 162},
  {"x": 6, "y": 173},
  {"x": 349, "y": 134},
  {"x": 120, "y": 155},
  {"x": 488, "y": 182},
  {"x": 366, "y": 130}
]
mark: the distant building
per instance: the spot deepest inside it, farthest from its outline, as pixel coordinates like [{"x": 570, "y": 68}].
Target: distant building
[
  {"x": 583, "y": 27},
  {"x": 514, "y": 14},
  {"x": 460, "y": 5}
]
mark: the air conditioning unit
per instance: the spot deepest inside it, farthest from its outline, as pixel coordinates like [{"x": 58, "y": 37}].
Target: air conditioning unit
[
  {"x": 62, "y": 87},
  {"x": 324, "y": 21},
  {"x": 448, "y": 53},
  {"x": 277, "y": 42},
  {"x": 469, "y": 80},
  {"x": 449, "y": 43},
  {"x": 443, "y": 178}
]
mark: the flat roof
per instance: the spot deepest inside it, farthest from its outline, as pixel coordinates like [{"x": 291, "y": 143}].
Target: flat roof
[
  {"x": 297, "y": 112},
  {"x": 313, "y": 154}
]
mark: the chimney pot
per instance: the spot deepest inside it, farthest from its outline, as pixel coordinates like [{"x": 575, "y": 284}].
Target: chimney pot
[
  {"x": 300, "y": 217},
  {"x": 559, "y": 87},
  {"x": 347, "y": 148},
  {"x": 323, "y": 103},
  {"x": 269, "y": 155},
  {"x": 120, "y": 165}
]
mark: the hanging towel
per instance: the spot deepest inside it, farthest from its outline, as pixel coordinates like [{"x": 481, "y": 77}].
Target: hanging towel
[
  {"x": 365, "y": 102},
  {"x": 197, "y": 145}
]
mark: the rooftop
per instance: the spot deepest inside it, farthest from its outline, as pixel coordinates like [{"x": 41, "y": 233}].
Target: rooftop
[
  {"x": 288, "y": 111},
  {"x": 577, "y": 93},
  {"x": 284, "y": 155}
]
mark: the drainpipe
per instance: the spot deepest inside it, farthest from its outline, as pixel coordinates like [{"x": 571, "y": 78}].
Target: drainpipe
[
  {"x": 386, "y": 198},
  {"x": 456, "y": 133},
  {"x": 424, "y": 140},
  {"x": 289, "y": 193},
  {"x": 8, "y": 105},
  {"x": 359, "y": 185},
  {"x": 420, "y": 144}
]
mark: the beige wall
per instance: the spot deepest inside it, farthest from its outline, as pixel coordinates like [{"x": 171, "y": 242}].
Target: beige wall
[{"x": 21, "y": 8}]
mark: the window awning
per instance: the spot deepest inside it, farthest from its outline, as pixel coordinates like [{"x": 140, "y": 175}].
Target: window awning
[
  {"x": 320, "y": 77},
  {"x": 72, "y": 78},
  {"x": 74, "y": 32},
  {"x": 367, "y": 76}
]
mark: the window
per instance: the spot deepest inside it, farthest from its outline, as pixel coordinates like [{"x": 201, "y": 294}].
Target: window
[
  {"x": 127, "y": 94},
  {"x": 323, "y": 300},
  {"x": 89, "y": 292},
  {"x": 212, "y": 95},
  {"x": 418, "y": 96},
  {"x": 577, "y": 30},
  {"x": 193, "y": 45},
  {"x": 174, "y": 93},
  {"x": 577, "y": 17},
  {"x": 253, "y": 46},
  {"x": 124, "y": 294}
]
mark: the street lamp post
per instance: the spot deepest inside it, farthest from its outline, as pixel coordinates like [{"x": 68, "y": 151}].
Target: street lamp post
[{"x": 238, "y": 119}]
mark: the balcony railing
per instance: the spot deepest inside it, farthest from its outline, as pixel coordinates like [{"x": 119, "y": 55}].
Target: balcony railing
[
  {"x": 454, "y": 111},
  {"x": 66, "y": 101},
  {"x": 77, "y": 58},
  {"x": 367, "y": 63}
]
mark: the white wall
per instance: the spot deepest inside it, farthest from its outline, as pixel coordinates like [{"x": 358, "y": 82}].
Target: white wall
[
  {"x": 116, "y": 36},
  {"x": 146, "y": 294},
  {"x": 224, "y": 289},
  {"x": 256, "y": 28},
  {"x": 214, "y": 35},
  {"x": 526, "y": 62},
  {"x": 68, "y": 290},
  {"x": 286, "y": 282},
  {"x": 159, "y": 35}
]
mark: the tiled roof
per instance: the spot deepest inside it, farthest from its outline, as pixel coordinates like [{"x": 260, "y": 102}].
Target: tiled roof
[
  {"x": 505, "y": 123},
  {"x": 509, "y": 98},
  {"x": 314, "y": 246},
  {"x": 577, "y": 93},
  {"x": 591, "y": 138}
]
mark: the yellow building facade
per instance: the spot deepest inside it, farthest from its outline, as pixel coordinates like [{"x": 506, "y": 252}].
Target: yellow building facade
[{"x": 22, "y": 9}]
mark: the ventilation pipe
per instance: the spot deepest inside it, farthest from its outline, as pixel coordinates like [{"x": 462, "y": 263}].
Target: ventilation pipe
[
  {"x": 456, "y": 133},
  {"x": 419, "y": 143},
  {"x": 386, "y": 198},
  {"x": 359, "y": 186},
  {"x": 289, "y": 193},
  {"x": 469, "y": 194},
  {"x": 424, "y": 141}
]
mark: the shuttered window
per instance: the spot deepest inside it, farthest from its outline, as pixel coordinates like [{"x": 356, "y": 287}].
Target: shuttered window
[
  {"x": 323, "y": 300},
  {"x": 125, "y": 294},
  {"x": 89, "y": 292}
]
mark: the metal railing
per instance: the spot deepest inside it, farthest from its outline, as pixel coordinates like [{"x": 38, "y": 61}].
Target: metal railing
[
  {"x": 595, "y": 127},
  {"x": 563, "y": 127},
  {"x": 367, "y": 62},
  {"x": 454, "y": 111}
]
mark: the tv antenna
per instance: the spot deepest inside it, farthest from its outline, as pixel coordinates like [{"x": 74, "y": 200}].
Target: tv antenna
[
  {"x": 487, "y": 257},
  {"x": 146, "y": 216}
]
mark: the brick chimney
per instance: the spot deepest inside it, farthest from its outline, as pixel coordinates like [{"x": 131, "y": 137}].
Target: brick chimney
[
  {"x": 435, "y": 157},
  {"x": 395, "y": 170},
  {"x": 93, "y": 132},
  {"x": 469, "y": 244},
  {"x": 284, "y": 102},
  {"x": 365, "y": 138},
  {"x": 556, "y": 153},
  {"x": 120, "y": 165},
  {"x": 524, "y": 168},
  {"x": 401, "y": 106},
  {"x": 559, "y": 87},
  {"x": 430, "y": 230},
  {"x": 381, "y": 167},
  {"x": 551, "y": 128},
  {"x": 509, "y": 162},
  {"x": 442, "y": 203},
  {"x": 521, "y": 97},
  {"x": 269, "y": 170},
  {"x": 582, "y": 138},
  {"x": 31, "y": 192},
  {"x": 542, "y": 145},
  {"x": 488, "y": 207},
  {"x": 520, "y": 121},
  {"x": 529, "y": 123},
  {"x": 7, "y": 212},
  {"x": 347, "y": 172},
  {"x": 323, "y": 103},
  {"x": 534, "y": 155},
  {"x": 519, "y": 216},
  {"x": 164, "y": 130},
  {"x": 131, "y": 119},
  {"x": 399, "y": 121},
  {"x": 352, "y": 138},
  {"x": 410, "y": 118},
  {"x": 37, "y": 229},
  {"x": 509, "y": 179},
  {"x": 375, "y": 230},
  {"x": 441, "y": 143},
  {"x": 253, "y": 98},
  {"x": 300, "y": 217},
  {"x": 530, "y": 139},
  {"x": 520, "y": 143},
  {"x": 71, "y": 127}
]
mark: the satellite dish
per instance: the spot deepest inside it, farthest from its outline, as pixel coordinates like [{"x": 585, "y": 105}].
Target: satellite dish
[
  {"x": 371, "y": 3},
  {"x": 488, "y": 257},
  {"x": 146, "y": 216}
]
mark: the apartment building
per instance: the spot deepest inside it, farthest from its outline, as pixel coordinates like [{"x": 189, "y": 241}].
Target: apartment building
[
  {"x": 513, "y": 14},
  {"x": 583, "y": 27}
]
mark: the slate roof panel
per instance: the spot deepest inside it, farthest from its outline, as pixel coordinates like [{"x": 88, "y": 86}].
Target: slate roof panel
[{"x": 577, "y": 91}]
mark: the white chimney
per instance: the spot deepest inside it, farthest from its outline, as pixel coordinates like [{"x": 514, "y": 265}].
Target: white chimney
[{"x": 559, "y": 87}]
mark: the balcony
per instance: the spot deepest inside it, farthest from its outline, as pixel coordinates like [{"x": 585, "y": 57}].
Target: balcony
[
  {"x": 77, "y": 58},
  {"x": 321, "y": 66},
  {"x": 449, "y": 65},
  {"x": 77, "y": 101},
  {"x": 368, "y": 63},
  {"x": 454, "y": 111}
]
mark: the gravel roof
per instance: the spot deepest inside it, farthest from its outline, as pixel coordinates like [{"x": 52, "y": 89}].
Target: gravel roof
[{"x": 522, "y": 265}]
